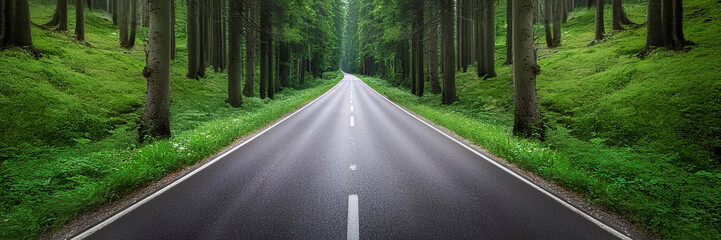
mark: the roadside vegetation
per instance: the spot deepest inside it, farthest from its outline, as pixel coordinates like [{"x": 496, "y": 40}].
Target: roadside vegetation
[
  {"x": 70, "y": 122},
  {"x": 638, "y": 136}
]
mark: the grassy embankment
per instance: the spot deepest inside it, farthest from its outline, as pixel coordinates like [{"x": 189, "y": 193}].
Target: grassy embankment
[
  {"x": 69, "y": 122},
  {"x": 639, "y": 136}
]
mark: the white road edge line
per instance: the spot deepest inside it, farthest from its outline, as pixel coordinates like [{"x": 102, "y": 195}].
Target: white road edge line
[
  {"x": 353, "y": 223},
  {"x": 112, "y": 219},
  {"x": 554, "y": 197},
  {"x": 351, "y": 108},
  {"x": 352, "y": 121}
]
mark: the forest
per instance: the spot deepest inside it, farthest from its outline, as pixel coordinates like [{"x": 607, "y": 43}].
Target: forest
[{"x": 617, "y": 101}]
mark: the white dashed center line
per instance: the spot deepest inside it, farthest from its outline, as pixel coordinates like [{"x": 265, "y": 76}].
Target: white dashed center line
[
  {"x": 353, "y": 224},
  {"x": 352, "y": 121}
]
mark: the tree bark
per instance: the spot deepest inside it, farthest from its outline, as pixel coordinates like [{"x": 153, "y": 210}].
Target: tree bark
[
  {"x": 250, "y": 48},
  {"x": 458, "y": 27},
  {"x": 617, "y": 10},
  {"x": 79, "y": 21},
  {"x": 284, "y": 64},
  {"x": 600, "y": 29},
  {"x": 527, "y": 116},
  {"x": 172, "y": 28},
  {"x": 123, "y": 9},
  {"x": 265, "y": 67},
  {"x": 115, "y": 5},
  {"x": 449, "y": 73},
  {"x": 156, "y": 117},
  {"x": 481, "y": 37},
  {"x": 547, "y": 19},
  {"x": 9, "y": 26},
  {"x": 433, "y": 57},
  {"x": 678, "y": 23},
  {"x": 235, "y": 21},
  {"x": 655, "y": 32},
  {"x": 21, "y": 33},
  {"x": 509, "y": 32},
  {"x": 667, "y": 8},
  {"x": 489, "y": 42},
  {"x": 133, "y": 16},
  {"x": 60, "y": 17},
  {"x": 557, "y": 15},
  {"x": 193, "y": 41},
  {"x": 420, "y": 70},
  {"x": 203, "y": 37}
]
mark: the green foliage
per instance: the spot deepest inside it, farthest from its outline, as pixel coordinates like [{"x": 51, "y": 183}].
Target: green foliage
[
  {"x": 640, "y": 137},
  {"x": 69, "y": 122}
]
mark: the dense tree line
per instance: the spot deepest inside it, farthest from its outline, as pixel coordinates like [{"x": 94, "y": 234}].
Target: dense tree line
[{"x": 398, "y": 40}]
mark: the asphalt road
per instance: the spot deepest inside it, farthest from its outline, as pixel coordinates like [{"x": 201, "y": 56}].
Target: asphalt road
[{"x": 351, "y": 165}]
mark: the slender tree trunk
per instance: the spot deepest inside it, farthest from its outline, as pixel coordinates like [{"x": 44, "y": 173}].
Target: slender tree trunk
[
  {"x": 557, "y": 15},
  {"x": 509, "y": 32},
  {"x": 420, "y": 70},
  {"x": 527, "y": 115},
  {"x": 79, "y": 21},
  {"x": 449, "y": 73},
  {"x": 172, "y": 28},
  {"x": 269, "y": 58},
  {"x": 133, "y": 16},
  {"x": 235, "y": 21},
  {"x": 617, "y": 10},
  {"x": 203, "y": 37},
  {"x": 284, "y": 62},
  {"x": 193, "y": 39},
  {"x": 458, "y": 27},
  {"x": 433, "y": 57},
  {"x": 250, "y": 49},
  {"x": 547, "y": 19},
  {"x": 145, "y": 15},
  {"x": 600, "y": 29},
  {"x": 414, "y": 76},
  {"x": 115, "y": 5},
  {"x": 490, "y": 39},
  {"x": 655, "y": 32},
  {"x": 156, "y": 117},
  {"x": 123, "y": 15},
  {"x": 265, "y": 71},
  {"x": 481, "y": 37}
]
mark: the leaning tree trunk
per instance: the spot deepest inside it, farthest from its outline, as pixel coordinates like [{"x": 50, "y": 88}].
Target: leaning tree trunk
[
  {"x": 600, "y": 29},
  {"x": 655, "y": 32},
  {"x": 235, "y": 21},
  {"x": 449, "y": 63},
  {"x": 527, "y": 116},
  {"x": 133, "y": 16},
  {"x": 433, "y": 57},
  {"x": 79, "y": 21},
  {"x": 156, "y": 117},
  {"x": 60, "y": 17},
  {"x": 193, "y": 41},
  {"x": 250, "y": 49}
]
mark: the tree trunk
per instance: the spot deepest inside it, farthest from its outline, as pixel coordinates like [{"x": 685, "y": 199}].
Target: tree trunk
[
  {"x": 481, "y": 37},
  {"x": 265, "y": 70},
  {"x": 172, "y": 28},
  {"x": 617, "y": 10},
  {"x": 21, "y": 33},
  {"x": 145, "y": 15},
  {"x": 678, "y": 23},
  {"x": 9, "y": 26},
  {"x": 235, "y": 21},
  {"x": 269, "y": 58},
  {"x": 420, "y": 70},
  {"x": 458, "y": 28},
  {"x": 60, "y": 17},
  {"x": 527, "y": 116},
  {"x": 156, "y": 117},
  {"x": 284, "y": 64},
  {"x": 203, "y": 37},
  {"x": 655, "y": 32},
  {"x": 466, "y": 35},
  {"x": 624, "y": 16},
  {"x": 547, "y": 19},
  {"x": 509, "y": 32},
  {"x": 123, "y": 9},
  {"x": 193, "y": 39},
  {"x": 115, "y": 5},
  {"x": 79, "y": 21},
  {"x": 133, "y": 16},
  {"x": 433, "y": 57},
  {"x": 250, "y": 48},
  {"x": 600, "y": 29},
  {"x": 668, "y": 24},
  {"x": 449, "y": 73},
  {"x": 489, "y": 42},
  {"x": 557, "y": 15}
]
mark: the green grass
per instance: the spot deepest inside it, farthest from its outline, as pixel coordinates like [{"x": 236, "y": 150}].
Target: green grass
[
  {"x": 639, "y": 136},
  {"x": 69, "y": 123}
]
